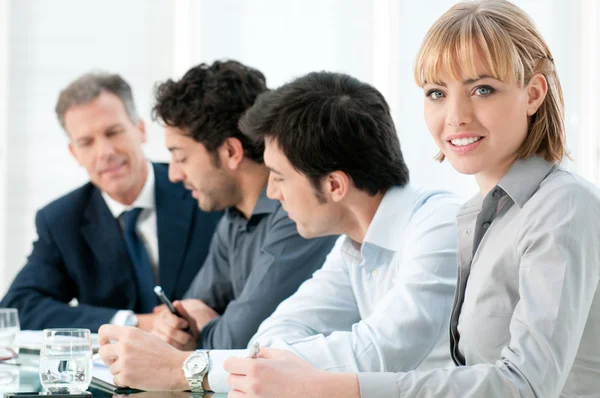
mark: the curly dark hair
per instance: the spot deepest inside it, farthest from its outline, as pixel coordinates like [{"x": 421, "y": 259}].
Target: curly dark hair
[
  {"x": 208, "y": 101},
  {"x": 327, "y": 121}
]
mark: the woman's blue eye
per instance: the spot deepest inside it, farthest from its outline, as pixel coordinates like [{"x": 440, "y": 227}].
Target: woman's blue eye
[
  {"x": 435, "y": 94},
  {"x": 484, "y": 91}
]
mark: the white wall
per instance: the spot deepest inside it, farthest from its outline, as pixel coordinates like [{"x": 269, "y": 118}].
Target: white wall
[
  {"x": 48, "y": 43},
  {"x": 4, "y": 40}
]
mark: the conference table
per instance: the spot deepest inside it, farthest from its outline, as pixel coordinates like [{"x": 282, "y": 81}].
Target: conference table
[{"x": 25, "y": 377}]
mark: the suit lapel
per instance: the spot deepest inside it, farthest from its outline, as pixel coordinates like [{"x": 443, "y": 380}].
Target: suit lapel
[
  {"x": 174, "y": 217},
  {"x": 103, "y": 235}
]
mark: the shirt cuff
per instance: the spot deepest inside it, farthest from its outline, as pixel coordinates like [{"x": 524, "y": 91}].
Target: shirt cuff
[
  {"x": 122, "y": 317},
  {"x": 377, "y": 385},
  {"x": 217, "y": 376},
  {"x": 208, "y": 338}
]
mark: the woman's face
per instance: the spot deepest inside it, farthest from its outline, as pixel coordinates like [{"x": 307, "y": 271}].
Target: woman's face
[{"x": 478, "y": 123}]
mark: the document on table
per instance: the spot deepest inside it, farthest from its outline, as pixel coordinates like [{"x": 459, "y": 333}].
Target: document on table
[{"x": 101, "y": 376}]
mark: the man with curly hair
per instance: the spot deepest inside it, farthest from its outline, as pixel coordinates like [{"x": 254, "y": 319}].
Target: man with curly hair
[{"x": 257, "y": 258}]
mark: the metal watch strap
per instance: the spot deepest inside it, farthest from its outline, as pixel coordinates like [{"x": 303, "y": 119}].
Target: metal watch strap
[{"x": 195, "y": 383}]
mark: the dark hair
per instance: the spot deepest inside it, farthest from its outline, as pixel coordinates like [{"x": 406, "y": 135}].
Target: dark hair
[
  {"x": 207, "y": 103},
  {"x": 88, "y": 87},
  {"x": 325, "y": 122}
]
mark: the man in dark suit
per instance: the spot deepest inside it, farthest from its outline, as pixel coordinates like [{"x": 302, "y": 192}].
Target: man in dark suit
[{"x": 110, "y": 241}]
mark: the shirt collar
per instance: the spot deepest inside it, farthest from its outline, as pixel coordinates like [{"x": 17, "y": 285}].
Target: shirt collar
[
  {"x": 145, "y": 199},
  {"x": 524, "y": 177},
  {"x": 520, "y": 183},
  {"x": 391, "y": 219},
  {"x": 264, "y": 205}
]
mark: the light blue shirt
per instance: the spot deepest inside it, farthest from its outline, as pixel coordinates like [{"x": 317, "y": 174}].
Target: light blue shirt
[{"x": 376, "y": 307}]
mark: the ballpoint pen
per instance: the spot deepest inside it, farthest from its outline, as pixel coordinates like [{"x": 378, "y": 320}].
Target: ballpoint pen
[
  {"x": 161, "y": 295},
  {"x": 255, "y": 349}
]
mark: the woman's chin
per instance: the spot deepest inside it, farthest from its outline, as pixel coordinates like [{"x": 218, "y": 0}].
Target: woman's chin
[{"x": 465, "y": 166}]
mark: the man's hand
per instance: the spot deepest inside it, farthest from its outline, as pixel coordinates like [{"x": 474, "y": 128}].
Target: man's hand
[
  {"x": 158, "y": 309},
  {"x": 140, "y": 360},
  {"x": 146, "y": 321},
  {"x": 170, "y": 328},
  {"x": 278, "y": 373}
]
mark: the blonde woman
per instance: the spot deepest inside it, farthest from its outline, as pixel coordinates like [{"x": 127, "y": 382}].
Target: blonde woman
[{"x": 526, "y": 317}]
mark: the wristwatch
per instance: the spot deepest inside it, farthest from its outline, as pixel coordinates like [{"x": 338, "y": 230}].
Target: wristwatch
[{"x": 195, "y": 367}]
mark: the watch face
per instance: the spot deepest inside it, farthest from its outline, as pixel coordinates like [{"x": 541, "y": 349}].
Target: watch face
[{"x": 196, "y": 364}]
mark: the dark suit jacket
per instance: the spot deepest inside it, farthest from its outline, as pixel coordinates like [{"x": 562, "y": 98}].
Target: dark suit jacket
[{"x": 81, "y": 253}]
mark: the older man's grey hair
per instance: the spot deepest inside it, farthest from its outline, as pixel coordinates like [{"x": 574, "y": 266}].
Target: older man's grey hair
[{"x": 88, "y": 87}]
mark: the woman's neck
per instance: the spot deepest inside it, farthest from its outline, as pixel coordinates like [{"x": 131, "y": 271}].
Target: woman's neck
[{"x": 488, "y": 179}]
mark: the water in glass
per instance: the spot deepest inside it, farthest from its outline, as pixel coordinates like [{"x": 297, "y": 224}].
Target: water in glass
[
  {"x": 9, "y": 327},
  {"x": 66, "y": 360}
]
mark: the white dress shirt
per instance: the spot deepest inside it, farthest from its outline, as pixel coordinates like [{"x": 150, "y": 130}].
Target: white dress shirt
[
  {"x": 145, "y": 227},
  {"x": 526, "y": 319},
  {"x": 380, "y": 306}
]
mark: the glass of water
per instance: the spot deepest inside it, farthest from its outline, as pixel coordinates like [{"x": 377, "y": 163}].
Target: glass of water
[
  {"x": 66, "y": 360},
  {"x": 9, "y": 326}
]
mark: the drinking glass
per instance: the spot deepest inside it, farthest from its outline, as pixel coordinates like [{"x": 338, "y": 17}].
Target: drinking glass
[
  {"x": 66, "y": 360},
  {"x": 9, "y": 326}
]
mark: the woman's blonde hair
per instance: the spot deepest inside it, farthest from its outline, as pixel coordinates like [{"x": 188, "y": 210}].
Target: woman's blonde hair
[{"x": 506, "y": 41}]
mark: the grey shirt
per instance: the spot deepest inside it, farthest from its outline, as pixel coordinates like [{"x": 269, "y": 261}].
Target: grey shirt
[
  {"x": 526, "y": 315},
  {"x": 252, "y": 265}
]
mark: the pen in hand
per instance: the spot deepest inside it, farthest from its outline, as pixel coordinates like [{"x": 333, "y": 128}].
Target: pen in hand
[
  {"x": 163, "y": 298},
  {"x": 255, "y": 349}
]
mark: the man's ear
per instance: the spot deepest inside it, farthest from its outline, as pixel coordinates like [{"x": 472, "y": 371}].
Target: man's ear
[
  {"x": 141, "y": 127},
  {"x": 74, "y": 153},
  {"x": 231, "y": 153},
  {"x": 336, "y": 185}
]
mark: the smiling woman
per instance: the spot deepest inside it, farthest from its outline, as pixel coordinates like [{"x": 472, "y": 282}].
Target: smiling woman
[
  {"x": 525, "y": 322},
  {"x": 482, "y": 123},
  {"x": 505, "y": 92}
]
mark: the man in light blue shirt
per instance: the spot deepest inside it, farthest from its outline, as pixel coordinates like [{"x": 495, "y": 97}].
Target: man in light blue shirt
[{"x": 382, "y": 300}]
